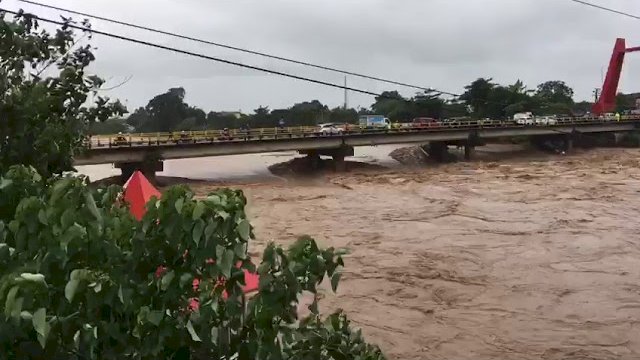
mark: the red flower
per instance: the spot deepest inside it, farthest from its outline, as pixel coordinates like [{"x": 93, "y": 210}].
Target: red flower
[
  {"x": 160, "y": 271},
  {"x": 195, "y": 284},
  {"x": 194, "y": 304}
]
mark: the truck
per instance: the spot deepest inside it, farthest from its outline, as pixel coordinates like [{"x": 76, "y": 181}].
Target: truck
[{"x": 374, "y": 122}]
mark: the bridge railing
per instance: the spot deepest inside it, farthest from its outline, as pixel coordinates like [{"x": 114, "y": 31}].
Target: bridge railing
[{"x": 276, "y": 133}]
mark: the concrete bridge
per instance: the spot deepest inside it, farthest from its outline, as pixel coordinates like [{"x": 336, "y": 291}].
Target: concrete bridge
[{"x": 147, "y": 154}]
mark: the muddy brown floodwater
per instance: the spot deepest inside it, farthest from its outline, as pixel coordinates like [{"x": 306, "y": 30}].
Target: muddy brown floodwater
[{"x": 536, "y": 258}]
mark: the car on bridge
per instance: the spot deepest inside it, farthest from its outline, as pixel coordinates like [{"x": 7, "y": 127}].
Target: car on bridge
[
  {"x": 525, "y": 118},
  {"x": 330, "y": 129},
  {"x": 425, "y": 123},
  {"x": 546, "y": 120},
  {"x": 120, "y": 140}
]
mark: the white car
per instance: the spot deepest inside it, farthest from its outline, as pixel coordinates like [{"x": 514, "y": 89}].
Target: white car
[
  {"x": 546, "y": 120},
  {"x": 331, "y": 129},
  {"x": 524, "y": 118}
]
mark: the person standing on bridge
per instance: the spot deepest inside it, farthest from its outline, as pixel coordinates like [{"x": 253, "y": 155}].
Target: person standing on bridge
[
  {"x": 281, "y": 123},
  {"x": 618, "y": 117}
]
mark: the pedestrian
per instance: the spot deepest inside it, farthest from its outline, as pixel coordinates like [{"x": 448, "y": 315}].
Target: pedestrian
[
  {"x": 281, "y": 123},
  {"x": 618, "y": 116}
]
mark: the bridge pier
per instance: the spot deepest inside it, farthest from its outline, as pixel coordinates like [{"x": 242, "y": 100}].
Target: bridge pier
[
  {"x": 469, "y": 152},
  {"x": 438, "y": 151},
  {"x": 569, "y": 144},
  {"x": 148, "y": 168},
  {"x": 338, "y": 154}
]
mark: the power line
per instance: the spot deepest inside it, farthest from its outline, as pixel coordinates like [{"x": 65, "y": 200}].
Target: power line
[
  {"x": 253, "y": 52},
  {"x": 601, "y": 8},
  {"x": 185, "y": 52}
]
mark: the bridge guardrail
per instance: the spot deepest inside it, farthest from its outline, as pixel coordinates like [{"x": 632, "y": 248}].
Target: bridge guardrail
[{"x": 211, "y": 136}]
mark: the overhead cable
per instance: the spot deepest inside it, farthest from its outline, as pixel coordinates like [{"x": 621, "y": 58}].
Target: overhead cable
[
  {"x": 190, "y": 53},
  {"x": 603, "y": 8},
  {"x": 236, "y": 48}
]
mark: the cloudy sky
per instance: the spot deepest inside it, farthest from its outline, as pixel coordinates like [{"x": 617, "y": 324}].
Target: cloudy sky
[{"x": 443, "y": 44}]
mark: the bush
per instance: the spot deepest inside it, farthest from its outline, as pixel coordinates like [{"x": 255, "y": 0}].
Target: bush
[{"x": 80, "y": 278}]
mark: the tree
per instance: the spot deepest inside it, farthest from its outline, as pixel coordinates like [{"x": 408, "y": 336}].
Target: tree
[
  {"x": 166, "y": 111},
  {"x": 555, "y": 92},
  {"x": 341, "y": 115},
  {"x": 47, "y": 97},
  {"x": 478, "y": 95},
  {"x": 626, "y": 102},
  {"x": 139, "y": 119},
  {"x": 390, "y": 104},
  {"x": 111, "y": 126},
  {"x": 83, "y": 279}
]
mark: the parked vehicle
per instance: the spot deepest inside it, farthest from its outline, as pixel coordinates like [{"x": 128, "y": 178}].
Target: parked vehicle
[
  {"x": 425, "y": 122},
  {"x": 184, "y": 138},
  {"x": 457, "y": 121},
  {"x": 525, "y": 118},
  {"x": 374, "y": 122},
  {"x": 546, "y": 120},
  {"x": 330, "y": 129},
  {"x": 225, "y": 135},
  {"x": 608, "y": 117},
  {"x": 120, "y": 140}
]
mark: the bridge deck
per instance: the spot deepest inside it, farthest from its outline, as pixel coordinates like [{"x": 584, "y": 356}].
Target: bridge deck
[{"x": 139, "y": 147}]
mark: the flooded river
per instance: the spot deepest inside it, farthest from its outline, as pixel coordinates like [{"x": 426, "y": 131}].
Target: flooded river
[{"x": 532, "y": 257}]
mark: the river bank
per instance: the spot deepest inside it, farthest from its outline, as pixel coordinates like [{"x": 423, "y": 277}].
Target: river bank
[{"x": 527, "y": 258}]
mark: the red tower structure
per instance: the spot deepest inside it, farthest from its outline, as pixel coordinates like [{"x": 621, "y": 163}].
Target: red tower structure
[{"x": 607, "y": 100}]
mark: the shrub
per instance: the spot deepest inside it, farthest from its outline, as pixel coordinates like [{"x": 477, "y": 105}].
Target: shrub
[{"x": 80, "y": 278}]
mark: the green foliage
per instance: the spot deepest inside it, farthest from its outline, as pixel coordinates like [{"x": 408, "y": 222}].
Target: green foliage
[
  {"x": 555, "y": 92},
  {"x": 490, "y": 100},
  {"x": 111, "y": 126},
  {"x": 45, "y": 89},
  {"x": 80, "y": 278}
]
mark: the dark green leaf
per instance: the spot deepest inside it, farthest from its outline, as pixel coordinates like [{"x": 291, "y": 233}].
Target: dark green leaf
[
  {"x": 155, "y": 317},
  {"x": 166, "y": 280},
  {"x": 214, "y": 335},
  {"x": 335, "y": 279},
  {"x": 199, "y": 210},
  {"x": 34, "y": 278},
  {"x": 70, "y": 289},
  {"x": 40, "y": 325},
  {"x": 241, "y": 250},
  {"x": 211, "y": 227},
  {"x": 198, "y": 229},
  {"x": 192, "y": 332},
  {"x": 91, "y": 205},
  {"x": 42, "y": 216},
  {"x": 5, "y": 182},
  {"x": 10, "y": 301},
  {"x": 244, "y": 230},
  {"x": 178, "y": 205},
  {"x": 226, "y": 263}
]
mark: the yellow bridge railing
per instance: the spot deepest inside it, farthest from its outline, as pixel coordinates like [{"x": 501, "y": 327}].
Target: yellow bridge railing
[{"x": 276, "y": 133}]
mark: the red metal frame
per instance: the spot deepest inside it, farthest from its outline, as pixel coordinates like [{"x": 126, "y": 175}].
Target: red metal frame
[{"x": 607, "y": 100}]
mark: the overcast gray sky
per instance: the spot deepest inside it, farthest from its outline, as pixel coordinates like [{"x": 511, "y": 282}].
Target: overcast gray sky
[{"x": 443, "y": 44}]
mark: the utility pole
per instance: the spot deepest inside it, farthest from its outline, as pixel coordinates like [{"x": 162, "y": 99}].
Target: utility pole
[{"x": 346, "y": 96}]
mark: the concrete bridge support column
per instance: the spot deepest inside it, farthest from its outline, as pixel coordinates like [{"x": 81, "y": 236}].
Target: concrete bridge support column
[
  {"x": 569, "y": 144},
  {"x": 438, "y": 150},
  {"x": 338, "y": 156},
  {"x": 469, "y": 152},
  {"x": 148, "y": 168},
  {"x": 340, "y": 164}
]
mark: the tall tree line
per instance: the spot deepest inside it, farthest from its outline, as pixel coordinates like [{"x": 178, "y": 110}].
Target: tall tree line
[{"x": 482, "y": 98}]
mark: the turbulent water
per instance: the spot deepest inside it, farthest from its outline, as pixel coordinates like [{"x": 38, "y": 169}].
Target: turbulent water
[{"x": 521, "y": 258}]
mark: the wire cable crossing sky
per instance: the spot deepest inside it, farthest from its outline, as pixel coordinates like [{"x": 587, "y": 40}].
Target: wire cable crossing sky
[
  {"x": 185, "y": 52},
  {"x": 602, "y": 8},
  {"x": 248, "y": 51}
]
